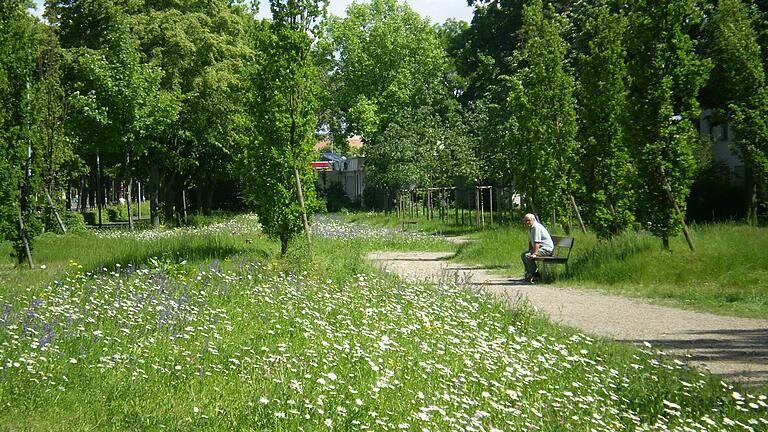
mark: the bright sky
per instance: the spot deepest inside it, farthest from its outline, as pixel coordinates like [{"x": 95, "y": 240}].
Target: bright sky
[{"x": 437, "y": 10}]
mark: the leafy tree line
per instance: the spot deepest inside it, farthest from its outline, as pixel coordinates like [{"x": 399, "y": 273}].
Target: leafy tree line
[
  {"x": 636, "y": 74},
  {"x": 585, "y": 108},
  {"x": 185, "y": 96}
]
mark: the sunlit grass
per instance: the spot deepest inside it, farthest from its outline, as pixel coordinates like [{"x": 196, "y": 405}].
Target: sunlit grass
[
  {"x": 728, "y": 272},
  {"x": 96, "y": 249},
  {"x": 248, "y": 341},
  {"x": 244, "y": 345}
]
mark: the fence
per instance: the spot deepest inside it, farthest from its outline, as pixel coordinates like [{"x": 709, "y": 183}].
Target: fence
[{"x": 477, "y": 206}]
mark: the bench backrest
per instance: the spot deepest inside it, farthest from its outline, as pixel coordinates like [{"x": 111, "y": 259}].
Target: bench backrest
[{"x": 563, "y": 246}]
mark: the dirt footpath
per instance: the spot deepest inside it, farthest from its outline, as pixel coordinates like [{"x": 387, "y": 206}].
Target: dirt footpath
[{"x": 734, "y": 348}]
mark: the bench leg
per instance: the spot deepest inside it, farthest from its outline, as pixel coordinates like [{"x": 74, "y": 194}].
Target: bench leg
[{"x": 544, "y": 272}]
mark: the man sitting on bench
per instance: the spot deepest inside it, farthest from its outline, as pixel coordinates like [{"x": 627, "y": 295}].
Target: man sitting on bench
[{"x": 539, "y": 244}]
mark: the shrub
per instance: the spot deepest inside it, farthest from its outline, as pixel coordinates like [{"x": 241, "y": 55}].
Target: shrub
[
  {"x": 118, "y": 212},
  {"x": 92, "y": 217},
  {"x": 335, "y": 197},
  {"x": 74, "y": 221}
]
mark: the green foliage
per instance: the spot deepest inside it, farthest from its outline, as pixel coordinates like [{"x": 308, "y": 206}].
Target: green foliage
[
  {"x": 389, "y": 59},
  {"x": 92, "y": 217},
  {"x": 283, "y": 104},
  {"x": 93, "y": 249},
  {"x": 606, "y": 172},
  {"x": 739, "y": 89},
  {"x": 545, "y": 111},
  {"x": 391, "y": 83},
  {"x": 400, "y": 159},
  {"x": 212, "y": 323},
  {"x": 667, "y": 75},
  {"x": 491, "y": 40},
  {"x": 335, "y": 198},
  {"x": 19, "y": 48},
  {"x": 117, "y": 212},
  {"x": 74, "y": 221}
]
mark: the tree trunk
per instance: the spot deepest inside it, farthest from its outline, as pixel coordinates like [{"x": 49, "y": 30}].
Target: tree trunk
[
  {"x": 283, "y": 245},
  {"x": 477, "y": 207},
  {"x": 83, "y": 195},
  {"x": 210, "y": 191},
  {"x": 69, "y": 197},
  {"x": 169, "y": 198},
  {"x": 184, "y": 206},
  {"x": 668, "y": 189},
  {"x": 578, "y": 214},
  {"x": 129, "y": 191},
  {"x": 490, "y": 198},
  {"x": 750, "y": 192},
  {"x": 154, "y": 194},
  {"x": 98, "y": 187}
]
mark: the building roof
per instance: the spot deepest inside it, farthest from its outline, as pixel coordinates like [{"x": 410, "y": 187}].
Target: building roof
[
  {"x": 354, "y": 142},
  {"x": 331, "y": 156}
]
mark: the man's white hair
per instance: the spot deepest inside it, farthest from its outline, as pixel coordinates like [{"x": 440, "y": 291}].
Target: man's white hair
[{"x": 530, "y": 216}]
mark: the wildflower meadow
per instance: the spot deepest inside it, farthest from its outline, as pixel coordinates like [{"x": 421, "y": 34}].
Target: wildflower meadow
[{"x": 238, "y": 344}]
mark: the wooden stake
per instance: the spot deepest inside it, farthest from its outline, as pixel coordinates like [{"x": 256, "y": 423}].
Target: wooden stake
[
  {"x": 25, "y": 240},
  {"x": 578, "y": 214},
  {"x": 303, "y": 210},
  {"x": 55, "y": 212}
]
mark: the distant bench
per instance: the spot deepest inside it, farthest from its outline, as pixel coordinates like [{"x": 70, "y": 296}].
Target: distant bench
[{"x": 562, "y": 252}]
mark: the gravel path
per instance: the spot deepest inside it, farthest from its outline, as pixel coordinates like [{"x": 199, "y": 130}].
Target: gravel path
[{"x": 734, "y": 348}]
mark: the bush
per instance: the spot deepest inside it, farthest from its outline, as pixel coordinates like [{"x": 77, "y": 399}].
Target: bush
[
  {"x": 199, "y": 219},
  {"x": 335, "y": 198},
  {"x": 74, "y": 221},
  {"x": 92, "y": 217},
  {"x": 118, "y": 212}
]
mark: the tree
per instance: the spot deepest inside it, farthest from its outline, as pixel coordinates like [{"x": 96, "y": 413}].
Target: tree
[
  {"x": 403, "y": 158},
  {"x": 739, "y": 90},
  {"x": 58, "y": 161},
  {"x": 667, "y": 75},
  {"x": 491, "y": 42},
  {"x": 545, "y": 145},
  {"x": 602, "y": 88},
  {"x": 202, "y": 50},
  {"x": 18, "y": 182},
  {"x": 119, "y": 105},
  {"x": 278, "y": 180},
  {"x": 385, "y": 64},
  {"x": 385, "y": 59}
]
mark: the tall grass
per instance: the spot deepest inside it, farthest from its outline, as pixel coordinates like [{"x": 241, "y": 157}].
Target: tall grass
[
  {"x": 325, "y": 343},
  {"x": 95, "y": 249},
  {"x": 728, "y": 272}
]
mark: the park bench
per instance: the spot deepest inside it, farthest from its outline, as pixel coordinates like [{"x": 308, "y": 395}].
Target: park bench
[{"x": 562, "y": 252}]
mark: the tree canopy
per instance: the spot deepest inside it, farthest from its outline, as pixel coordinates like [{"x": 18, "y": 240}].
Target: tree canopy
[{"x": 589, "y": 106}]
